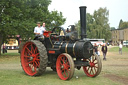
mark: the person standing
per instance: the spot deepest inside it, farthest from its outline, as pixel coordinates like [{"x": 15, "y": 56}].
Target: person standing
[
  {"x": 120, "y": 48},
  {"x": 104, "y": 51},
  {"x": 95, "y": 48}
]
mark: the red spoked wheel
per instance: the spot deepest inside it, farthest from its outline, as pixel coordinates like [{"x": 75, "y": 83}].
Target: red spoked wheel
[
  {"x": 65, "y": 66},
  {"x": 33, "y": 58},
  {"x": 95, "y": 66}
]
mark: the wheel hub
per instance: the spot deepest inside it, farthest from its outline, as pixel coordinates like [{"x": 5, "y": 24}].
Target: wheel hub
[
  {"x": 31, "y": 58},
  {"x": 92, "y": 64},
  {"x": 62, "y": 66}
]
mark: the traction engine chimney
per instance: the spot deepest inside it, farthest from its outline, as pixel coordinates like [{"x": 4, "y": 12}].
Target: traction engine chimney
[{"x": 83, "y": 21}]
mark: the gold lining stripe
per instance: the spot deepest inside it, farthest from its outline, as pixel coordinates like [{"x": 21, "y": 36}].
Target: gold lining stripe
[
  {"x": 66, "y": 48},
  {"x": 74, "y": 49},
  {"x": 51, "y": 41},
  {"x": 60, "y": 44}
]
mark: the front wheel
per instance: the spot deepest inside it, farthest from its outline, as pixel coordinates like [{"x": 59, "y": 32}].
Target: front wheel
[
  {"x": 65, "y": 66},
  {"x": 95, "y": 66}
]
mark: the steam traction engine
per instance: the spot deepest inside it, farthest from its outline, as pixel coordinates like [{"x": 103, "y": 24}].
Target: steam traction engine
[{"x": 61, "y": 51}]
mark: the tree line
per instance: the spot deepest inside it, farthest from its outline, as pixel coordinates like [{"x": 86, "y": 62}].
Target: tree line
[
  {"x": 97, "y": 24},
  {"x": 123, "y": 24}
]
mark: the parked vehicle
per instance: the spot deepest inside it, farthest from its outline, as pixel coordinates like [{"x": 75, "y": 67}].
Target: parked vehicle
[{"x": 125, "y": 43}]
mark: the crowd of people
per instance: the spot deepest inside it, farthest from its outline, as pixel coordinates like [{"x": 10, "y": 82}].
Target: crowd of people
[{"x": 104, "y": 50}]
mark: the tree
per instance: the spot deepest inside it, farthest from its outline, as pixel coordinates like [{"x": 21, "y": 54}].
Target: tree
[
  {"x": 123, "y": 25},
  {"x": 97, "y": 24},
  {"x": 121, "y": 21},
  {"x": 20, "y": 16},
  {"x": 112, "y": 28},
  {"x": 101, "y": 23}
]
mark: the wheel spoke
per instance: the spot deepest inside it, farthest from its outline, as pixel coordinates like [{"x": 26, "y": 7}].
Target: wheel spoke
[
  {"x": 37, "y": 59},
  {"x": 95, "y": 66},
  {"x": 68, "y": 70},
  {"x": 67, "y": 73},
  {"x": 29, "y": 51},
  {"x": 94, "y": 59},
  {"x": 96, "y": 63},
  {"x": 36, "y": 64},
  {"x": 64, "y": 59},
  {"x": 32, "y": 49},
  {"x": 35, "y": 69},
  {"x": 64, "y": 73},
  {"x": 89, "y": 60},
  {"x": 67, "y": 66},
  {"x": 88, "y": 69},
  {"x": 67, "y": 63},
  {"x": 37, "y": 54},
  {"x": 31, "y": 66},
  {"x": 92, "y": 71},
  {"x": 30, "y": 62},
  {"x": 35, "y": 51},
  {"x": 61, "y": 64}
]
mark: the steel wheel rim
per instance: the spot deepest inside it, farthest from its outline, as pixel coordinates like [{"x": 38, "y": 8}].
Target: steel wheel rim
[
  {"x": 63, "y": 67},
  {"x": 95, "y": 66},
  {"x": 30, "y": 58}
]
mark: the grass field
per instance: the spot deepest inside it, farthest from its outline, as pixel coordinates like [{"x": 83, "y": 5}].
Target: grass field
[
  {"x": 114, "y": 72},
  {"x": 116, "y": 49}
]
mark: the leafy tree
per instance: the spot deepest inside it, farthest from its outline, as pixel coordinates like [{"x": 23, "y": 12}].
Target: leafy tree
[
  {"x": 112, "y": 28},
  {"x": 121, "y": 21},
  {"x": 97, "y": 24},
  {"x": 20, "y": 17},
  {"x": 123, "y": 25}
]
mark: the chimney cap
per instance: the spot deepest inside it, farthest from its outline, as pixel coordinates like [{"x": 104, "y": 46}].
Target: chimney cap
[{"x": 82, "y": 7}]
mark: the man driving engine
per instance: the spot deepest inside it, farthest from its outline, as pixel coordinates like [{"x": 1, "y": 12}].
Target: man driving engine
[{"x": 39, "y": 30}]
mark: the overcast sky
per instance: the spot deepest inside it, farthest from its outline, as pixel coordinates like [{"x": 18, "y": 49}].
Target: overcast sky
[{"x": 118, "y": 9}]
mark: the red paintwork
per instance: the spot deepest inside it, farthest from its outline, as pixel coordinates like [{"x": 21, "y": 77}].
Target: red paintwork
[
  {"x": 30, "y": 59},
  {"x": 46, "y": 33},
  {"x": 92, "y": 69},
  {"x": 51, "y": 52},
  {"x": 63, "y": 67}
]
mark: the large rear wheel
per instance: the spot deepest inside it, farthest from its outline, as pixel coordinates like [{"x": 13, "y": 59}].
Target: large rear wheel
[
  {"x": 65, "y": 66},
  {"x": 95, "y": 66},
  {"x": 34, "y": 58}
]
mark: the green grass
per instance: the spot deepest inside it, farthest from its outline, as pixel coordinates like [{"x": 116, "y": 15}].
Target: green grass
[
  {"x": 11, "y": 72},
  {"x": 17, "y": 77},
  {"x": 116, "y": 49},
  {"x": 10, "y": 54}
]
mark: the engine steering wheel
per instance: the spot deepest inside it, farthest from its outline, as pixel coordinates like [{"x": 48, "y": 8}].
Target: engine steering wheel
[{"x": 59, "y": 31}]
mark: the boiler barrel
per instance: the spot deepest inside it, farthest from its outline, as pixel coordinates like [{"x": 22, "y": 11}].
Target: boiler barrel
[{"x": 79, "y": 49}]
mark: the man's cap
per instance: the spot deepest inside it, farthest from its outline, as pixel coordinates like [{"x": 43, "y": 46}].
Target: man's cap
[{"x": 38, "y": 22}]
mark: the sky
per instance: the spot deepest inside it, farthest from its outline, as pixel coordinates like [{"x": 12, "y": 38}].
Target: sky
[{"x": 118, "y": 9}]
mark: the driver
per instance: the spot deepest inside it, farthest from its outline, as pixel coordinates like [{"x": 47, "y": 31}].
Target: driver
[{"x": 39, "y": 30}]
